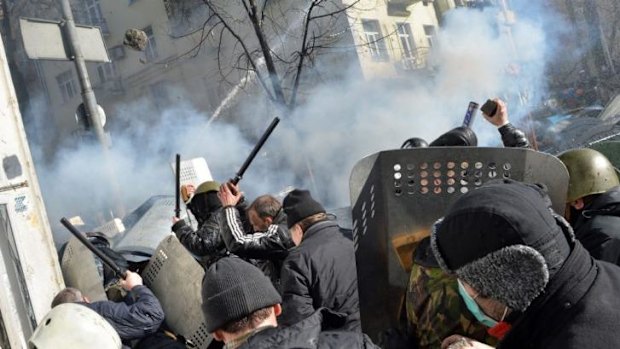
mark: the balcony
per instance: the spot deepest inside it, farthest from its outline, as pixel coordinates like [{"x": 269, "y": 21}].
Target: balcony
[
  {"x": 418, "y": 60},
  {"x": 398, "y": 8}
]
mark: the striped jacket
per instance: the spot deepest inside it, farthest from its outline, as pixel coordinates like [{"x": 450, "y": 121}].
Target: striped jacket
[{"x": 267, "y": 249}]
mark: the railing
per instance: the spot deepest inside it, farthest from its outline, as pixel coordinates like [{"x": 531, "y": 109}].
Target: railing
[{"x": 419, "y": 59}]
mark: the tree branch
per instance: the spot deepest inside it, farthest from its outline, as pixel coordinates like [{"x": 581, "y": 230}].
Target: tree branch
[
  {"x": 302, "y": 54},
  {"x": 266, "y": 50},
  {"x": 240, "y": 41}
]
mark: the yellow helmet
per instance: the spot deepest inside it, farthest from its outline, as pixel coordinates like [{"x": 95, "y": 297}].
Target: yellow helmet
[
  {"x": 207, "y": 186},
  {"x": 590, "y": 173}
]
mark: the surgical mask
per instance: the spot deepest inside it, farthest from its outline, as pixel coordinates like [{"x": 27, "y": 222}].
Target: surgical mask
[{"x": 474, "y": 308}]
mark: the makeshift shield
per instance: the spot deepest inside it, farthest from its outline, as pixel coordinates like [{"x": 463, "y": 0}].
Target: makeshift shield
[{"x": 397, "y": 195}]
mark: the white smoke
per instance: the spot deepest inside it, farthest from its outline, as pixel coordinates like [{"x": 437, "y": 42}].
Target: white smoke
[{"x": 316, "y": 146}]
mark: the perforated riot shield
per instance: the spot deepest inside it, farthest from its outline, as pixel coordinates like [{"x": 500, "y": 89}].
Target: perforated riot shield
[
  {"x": 397, "y": 195},
  {"x": 79, "y": 270},
  {"x": 175, "y": 277}
]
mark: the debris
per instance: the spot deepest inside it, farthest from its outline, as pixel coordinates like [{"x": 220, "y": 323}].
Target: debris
[{"x": 136, "y": 39}]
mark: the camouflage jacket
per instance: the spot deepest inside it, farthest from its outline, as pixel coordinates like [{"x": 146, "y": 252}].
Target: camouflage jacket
[{"x": 435, "y": 310}]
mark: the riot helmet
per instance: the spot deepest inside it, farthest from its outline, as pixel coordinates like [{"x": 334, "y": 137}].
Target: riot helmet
[
  {"x": 205, "y": 200},
  {"x": 75, "y": 326},
  {"x": 414, "y": 142},
  {"x": 590, "y": 172}
]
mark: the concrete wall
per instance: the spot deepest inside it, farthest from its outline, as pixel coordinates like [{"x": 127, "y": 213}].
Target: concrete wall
[{"x": 29, "y": 267}]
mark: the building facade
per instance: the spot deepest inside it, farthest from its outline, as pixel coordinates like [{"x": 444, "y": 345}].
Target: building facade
[{"x": 180, "y": 62}]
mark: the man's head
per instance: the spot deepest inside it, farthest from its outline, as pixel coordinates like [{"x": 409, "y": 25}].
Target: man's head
[
  {"x": 590, "y": 173},
  {"x": 302, "y": 211},
  {"x": 205, "y": 200},
  {"x": 69, "y": 295},
  {"x": 503, "y": 243},
  {"x": 263, "y": 211},
  {"x": 237, "y": 297}
]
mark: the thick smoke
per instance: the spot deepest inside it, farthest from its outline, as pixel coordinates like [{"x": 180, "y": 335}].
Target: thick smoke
[
  {"x": 342, "y": 122},
  {"x": 317, "y": 145}
]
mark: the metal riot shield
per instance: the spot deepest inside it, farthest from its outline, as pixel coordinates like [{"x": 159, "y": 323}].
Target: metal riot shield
[
  {"x": 80, "y": 271},
  {"x": 145, "y": 227},
  {"x": 397, "y": 195},
  {"x": 175, "y": 277}
]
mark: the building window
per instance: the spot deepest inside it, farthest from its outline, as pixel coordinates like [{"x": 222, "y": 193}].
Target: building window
[
  {"x": 106, "y": 72},
  {"x": 151, "y": 46},
  {"x": 93, "y": 11},
  {"x": 374, "y": 39},
  {"x": 94, "y": 15},
  {"x": 406, "y": 39},
  {"x": 67, "y": 86},
  {"x": 429, "y": 31},
  {"x": 160, "y": 94},
  {"x": 116, "y": 52}
]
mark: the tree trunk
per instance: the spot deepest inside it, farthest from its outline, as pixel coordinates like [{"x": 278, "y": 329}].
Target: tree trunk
[{"x": 266, "y": 50}]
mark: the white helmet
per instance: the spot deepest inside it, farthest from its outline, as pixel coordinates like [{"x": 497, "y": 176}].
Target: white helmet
[{"x": 74, "y": 326}]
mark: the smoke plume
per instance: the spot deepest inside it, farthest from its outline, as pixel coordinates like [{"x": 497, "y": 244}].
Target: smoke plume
[{"x": 316, "y": 146}]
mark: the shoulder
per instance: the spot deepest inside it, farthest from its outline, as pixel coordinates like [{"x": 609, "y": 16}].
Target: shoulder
[{"x": 344, "y": 339}]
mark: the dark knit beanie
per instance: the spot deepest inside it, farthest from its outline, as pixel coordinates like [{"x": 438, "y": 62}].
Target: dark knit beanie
[
  {"x": 504, "y": 241},
  {"x": 233, "y": 289},
  {"x": 298, "y": 204}
]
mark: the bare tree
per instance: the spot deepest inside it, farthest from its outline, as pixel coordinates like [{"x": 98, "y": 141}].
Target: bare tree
[{"x": 271, "y": 41}]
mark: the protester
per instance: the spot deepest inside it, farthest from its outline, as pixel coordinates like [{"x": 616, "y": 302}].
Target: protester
[
  {"x": 320, "y": 271},
  {"x": 522, "y": 273},
  {"x": 512, "y": 137},
  {"x": 241, "y": 307},
  {"x": 431, "y": 292},
  {"x": 138, "y": 315},
  {"x": 268, "y": 243},
  {"x": 593, "y": 202},
  {"x": 206, "y": 242}
]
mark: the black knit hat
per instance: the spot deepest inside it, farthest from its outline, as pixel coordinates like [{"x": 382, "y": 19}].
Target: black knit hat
[
  {"x": 504, "y": 241},
  {"x": 298, "y": 204},
  {"x": 232, "y": 289}
]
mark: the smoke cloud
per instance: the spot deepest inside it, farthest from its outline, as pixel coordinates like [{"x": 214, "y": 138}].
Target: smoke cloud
[{"x": 316, "y": 146}]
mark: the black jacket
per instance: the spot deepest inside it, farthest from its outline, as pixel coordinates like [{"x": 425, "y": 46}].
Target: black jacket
[
  {"x": 139, "y": 315},
  {"x": 579, "y": 308},
  {"x": 598, "y": 227},
  {"x": 206, "y": 242},
  {"x": 513, "y": 137},
  {"x": 320, "y": 272},
  {"x": 319, "y": 330}
]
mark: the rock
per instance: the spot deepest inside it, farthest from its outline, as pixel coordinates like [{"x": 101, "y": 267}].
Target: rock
[{"x": 136, "y": 39}]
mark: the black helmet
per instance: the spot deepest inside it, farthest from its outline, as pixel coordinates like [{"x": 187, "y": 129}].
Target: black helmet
[
  {"x": 459, "y": 137},
  {"x": 414, "y": 142}
]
